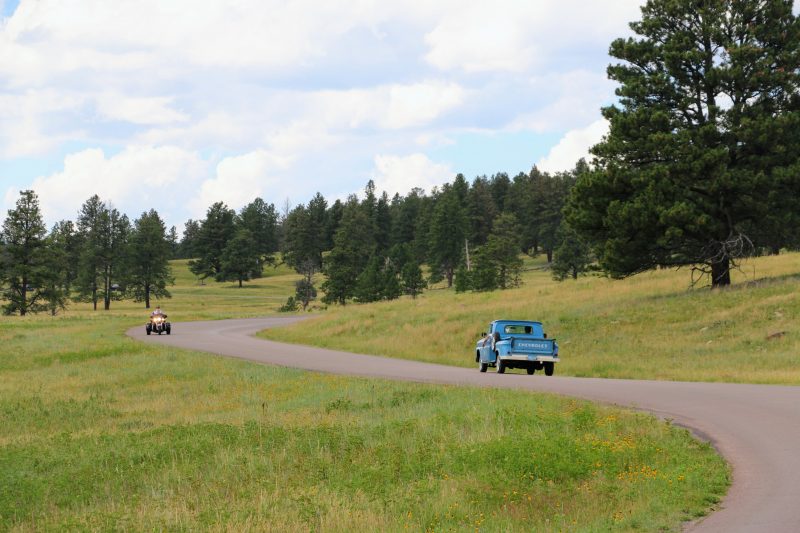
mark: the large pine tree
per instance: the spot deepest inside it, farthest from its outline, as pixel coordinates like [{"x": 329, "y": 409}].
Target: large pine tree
[
  {"x": 149, "y": 272},
  {"x": 213, "y": 236},
  {"x": 447, "y": 235},
  {"x": 701, "y": 162},
  {"x": 353, "y": 245},
  {"x": 24, "y": 258},
  {"x": 90, "y": 221}
]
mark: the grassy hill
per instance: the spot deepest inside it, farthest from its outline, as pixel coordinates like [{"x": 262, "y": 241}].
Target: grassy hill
[
  {"x": 101, "y": 432},
  {"x": 651, "y": 326}
]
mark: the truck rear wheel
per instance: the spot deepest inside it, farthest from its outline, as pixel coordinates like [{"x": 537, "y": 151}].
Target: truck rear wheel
[
  {"x": 549, "y": 369},
  {"x": 482, "y": 367},
  {"x": 531, "y": 371},
  {"x": 501, "y": 368}
]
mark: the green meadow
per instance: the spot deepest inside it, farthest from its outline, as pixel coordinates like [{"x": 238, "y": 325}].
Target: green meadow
[
  {"x": 651, "y": 326},
  {"x": 101, "y": 432}
]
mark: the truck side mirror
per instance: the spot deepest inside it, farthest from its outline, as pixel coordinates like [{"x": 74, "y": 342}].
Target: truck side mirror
[
  {"x": 545, "y": 335},
  {"x": 483, "y": 334}
]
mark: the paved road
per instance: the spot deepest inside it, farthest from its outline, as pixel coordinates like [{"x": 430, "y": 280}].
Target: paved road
[{"x": 756, "y": 427}]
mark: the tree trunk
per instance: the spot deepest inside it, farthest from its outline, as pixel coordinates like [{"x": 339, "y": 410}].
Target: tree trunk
[
  {"x": 240, "y": 283},
  {"x": 549, "y": 255},
  {"x": 23, "y": 297},
  {"x": 147, "y": 296},
  {"x": 574, "y": 273},
  {"x": 449, "y": 273},
  {"x": 94, "y": 296},
  {"x": 107, "y": 289},
  {"x": 721, "y": 274}
]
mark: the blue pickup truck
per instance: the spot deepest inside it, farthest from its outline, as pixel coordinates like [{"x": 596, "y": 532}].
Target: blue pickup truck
[{"x": 516, "y": 344}]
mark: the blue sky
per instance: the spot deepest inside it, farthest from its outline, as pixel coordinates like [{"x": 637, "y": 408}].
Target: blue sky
[{"x": 175, "y": 105}]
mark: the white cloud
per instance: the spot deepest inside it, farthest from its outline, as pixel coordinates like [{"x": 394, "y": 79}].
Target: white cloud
[
  {"x": 23, "y": 128},
  {"x": 134, "y": 180},
  {"x": 153, "y": 110},
  {"x": 62, "y": 37},
  {"x": 571, "y": 97},
  {"x": 483, "y": 36},
  {"x": 573, "y": 146},
  {"x": 515, "y": 35},
  {"x": 400, "y": 174},
  {"x": 417, "y": 104},
  {"x": 239, "y": 180}
]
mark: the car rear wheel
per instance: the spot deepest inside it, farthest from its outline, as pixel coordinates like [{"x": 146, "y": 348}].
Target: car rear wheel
[
  {"x": 501, "y": 368},
  {"x": 549, "y": 369},
  {"x": 531, "y": 371}
]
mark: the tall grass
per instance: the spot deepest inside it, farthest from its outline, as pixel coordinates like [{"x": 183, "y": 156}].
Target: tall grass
[
  {"x": 651, "y": 326},
  {"x": 101, "y": 432}
]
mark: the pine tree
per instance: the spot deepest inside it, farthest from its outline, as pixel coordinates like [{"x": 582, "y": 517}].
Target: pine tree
[
  {"x": 174, "y": 242},
  {"x": 407, "y": 213},
  {"x": 484, "y": 272},
  {"x": 572, "y": 257},
  {"x": 113, "y": 248},
  {"x": 481, "y": 211},
  {"x": 352, "y": 247},
  {"x": 369, "y": 283},
  {"x": 413, "y": 282},
  {"x": 240, "y": 261},
  {"x": 551, "y": 197},
  {"x": 60, "y": 270},
  {"x": 305, "y": 241},
  {"x": 149, "y": 272},
  {"x": 503, "y": 246},
  {"x": 261, "y": 220},
  {"x": 383, "y": 224},
  {"x": 447, "y": 233},
  {"x": 702, "y": 153},
  {"x": 390, "y": 282},
  {"x": 304, "y": 291},
  {"x": 91, "y": 220},
  {"x": 188, "y": 245},
  {"x": 500, "y": 186},
  {"x": 215, "y": 233},
  {"x": 24, "y": 259},
  {"x": 463, "y": 280}
]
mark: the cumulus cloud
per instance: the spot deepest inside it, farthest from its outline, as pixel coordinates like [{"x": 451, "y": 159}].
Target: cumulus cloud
[
  {"x": 513, "y": 36},
  {"x": 573, "y": 146},
  {"x": 154, "y": 110},
  {"x": 571, "y": 97},
  {"x": 400, "y": 174},
  {"x": 239, "y": 180},
  {"x": 134, "y": 180},
  {"x": 24, "y": 131}
]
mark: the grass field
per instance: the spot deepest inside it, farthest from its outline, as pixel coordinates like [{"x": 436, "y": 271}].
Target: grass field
[
  {"x": 100, "y": 432},
  {"x": 651, "y": 326}
]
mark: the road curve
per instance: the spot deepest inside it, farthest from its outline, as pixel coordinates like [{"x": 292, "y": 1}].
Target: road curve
[{"x": 755, "y": 427}]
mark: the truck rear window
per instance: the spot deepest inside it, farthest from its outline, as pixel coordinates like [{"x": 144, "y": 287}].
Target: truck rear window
[{"x": 518, "y": 329}]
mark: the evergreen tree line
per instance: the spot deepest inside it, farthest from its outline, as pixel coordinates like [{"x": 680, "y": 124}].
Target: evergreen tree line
[
  {"x": 101, "y": 257},
  {"x": 469, "y": 235}
]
